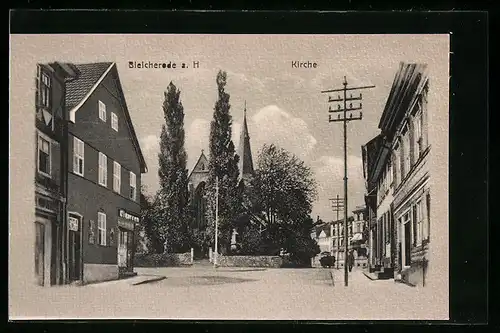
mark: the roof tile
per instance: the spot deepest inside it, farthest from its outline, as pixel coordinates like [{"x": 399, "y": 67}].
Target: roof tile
[{"x": 89, "y": 75}]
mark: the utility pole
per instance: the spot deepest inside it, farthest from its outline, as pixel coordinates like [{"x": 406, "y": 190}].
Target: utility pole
[
  {"x": 337, "y": 206},
  {"x": 216, "y": 219},
  {"x": 342, "y": 116}
]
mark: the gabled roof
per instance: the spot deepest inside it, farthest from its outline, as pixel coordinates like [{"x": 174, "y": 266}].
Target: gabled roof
[
  {"x": 197, "y": 166},
  {"x": 89, "y": 77},
  {"x": 78, "y": 90}
]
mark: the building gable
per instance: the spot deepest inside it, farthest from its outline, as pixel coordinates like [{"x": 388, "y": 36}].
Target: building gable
[{"x": 92, "y": 79}]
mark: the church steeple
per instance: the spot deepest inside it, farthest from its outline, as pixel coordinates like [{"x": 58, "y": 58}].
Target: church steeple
[{"x": 245, "y": 163}]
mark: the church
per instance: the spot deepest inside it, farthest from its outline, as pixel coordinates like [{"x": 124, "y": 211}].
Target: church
[{"x": 198, "y": 178}]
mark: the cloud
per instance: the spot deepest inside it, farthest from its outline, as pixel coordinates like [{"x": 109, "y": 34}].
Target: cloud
[
  {"x": 150, "y": 143},
  {"x": 273, "y": 125},
  {"x": 329, "y": 173}
]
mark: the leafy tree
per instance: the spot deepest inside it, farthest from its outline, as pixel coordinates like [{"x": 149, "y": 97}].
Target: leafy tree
[
  {"x": 283, "y": 191},
  {"x": 146, "y": 227},
  {"x": 171, "y": 209},
  {"x": 224, "y": 165}
]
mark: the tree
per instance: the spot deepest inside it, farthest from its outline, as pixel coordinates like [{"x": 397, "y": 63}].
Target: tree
[
  {"x": 171, "y": 207},
  {"x": 224, "y": 165},
  {"x": 146, "y": 227},
  {"x": 283, "y": 191}
]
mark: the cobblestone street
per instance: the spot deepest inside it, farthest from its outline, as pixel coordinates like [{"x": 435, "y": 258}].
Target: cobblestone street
[{"x": 232, "y": 293}]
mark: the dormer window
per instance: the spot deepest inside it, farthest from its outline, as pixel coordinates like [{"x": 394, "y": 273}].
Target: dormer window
[{"x": 202, "y": 167}]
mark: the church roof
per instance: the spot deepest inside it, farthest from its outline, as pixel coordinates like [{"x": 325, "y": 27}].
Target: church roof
[
  {"x": 201, "y": 165},
  {"x": 245, "y": 163}
]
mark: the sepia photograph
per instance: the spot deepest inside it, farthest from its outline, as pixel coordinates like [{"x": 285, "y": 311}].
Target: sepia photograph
[{"x": 229, "y": 177}]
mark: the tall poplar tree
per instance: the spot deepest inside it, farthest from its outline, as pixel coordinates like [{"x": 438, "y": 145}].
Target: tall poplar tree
[
  {"x": 172, "y": 215},
  {"x": 224, "y": 165}
]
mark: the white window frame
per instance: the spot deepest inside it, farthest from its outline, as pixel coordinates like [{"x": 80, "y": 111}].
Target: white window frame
[
  {"x": 78, "y": 155},
  {"x": 133, "y": 185},
  {"x": 101, "y": 229},
  {"x": 44, "y": 138},
  {"x": 45, "y": 88},
  {"x": 117, "y": 170},
  {"x": 102, "y": 111},
  {"x": 103, "y": 170},
  {"x": 114, "y": 121},
  {"x": 403, "y": 221}
]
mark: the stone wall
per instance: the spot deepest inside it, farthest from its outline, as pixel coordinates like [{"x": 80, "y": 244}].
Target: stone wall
[
  {"x": 162, "y": 260},
  {"x": 250, "y": 261}
]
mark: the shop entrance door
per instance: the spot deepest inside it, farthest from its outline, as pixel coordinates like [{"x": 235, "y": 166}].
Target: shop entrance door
[
  {"x": 122, "y": 248},
  {"x": 74, "y": 255}
]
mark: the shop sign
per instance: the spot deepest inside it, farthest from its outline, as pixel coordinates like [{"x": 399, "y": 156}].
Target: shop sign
[
  {"x": 73, "y": 224},
  {"x": 127, "y": 216},
  {"x": 127, "y": 220}
]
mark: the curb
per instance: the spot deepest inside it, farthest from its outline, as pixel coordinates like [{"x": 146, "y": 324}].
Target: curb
[
  {"x": 369, "y": 276},
  {"x": 155, "y": 279}
]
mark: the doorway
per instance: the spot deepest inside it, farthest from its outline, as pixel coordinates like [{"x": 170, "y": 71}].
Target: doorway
[
  {"x": 39, "y": 253},
  {"x": 74, "y": 250},
  {"x": 125, "y": 243},
  {"x": 407, "y": 244}
]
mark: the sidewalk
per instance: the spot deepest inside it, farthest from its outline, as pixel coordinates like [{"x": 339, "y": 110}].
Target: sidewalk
[{"x": 131, "y": 281}]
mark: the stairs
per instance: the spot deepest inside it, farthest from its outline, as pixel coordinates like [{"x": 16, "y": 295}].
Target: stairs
[{"x": 380, "y": 274}]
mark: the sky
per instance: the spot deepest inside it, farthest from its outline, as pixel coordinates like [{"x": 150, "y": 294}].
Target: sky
[{"x": 285, "y": 105}]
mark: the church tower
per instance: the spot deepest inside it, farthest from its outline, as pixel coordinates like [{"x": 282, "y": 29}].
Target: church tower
[{"x": 245, "y": 163}]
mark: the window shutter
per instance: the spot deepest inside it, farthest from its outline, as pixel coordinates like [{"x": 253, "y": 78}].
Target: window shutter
[{"x": 411, "y": 139}]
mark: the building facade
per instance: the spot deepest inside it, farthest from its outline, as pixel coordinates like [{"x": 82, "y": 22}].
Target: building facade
[
  {"x": 330, "y": 238},
  {"x": 101, "y": 166},
  {"x": 50, "y": 173},
  {"x": 397, "y": 176}
]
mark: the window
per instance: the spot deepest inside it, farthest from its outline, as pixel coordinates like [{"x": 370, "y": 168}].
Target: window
[
  {"x": 43, "y": 84},
  {"x": 103, "y": 169},
  {"x": 78, "y": 156},
  {"x": 101, "y": 225},
  {"x": 407, "y": 154},
  {"x": 43, "y": 156},
  {"x": 395, "y": 167},
  {"x": 133, "y": 186},
  {"x": 114, "y": 121},
  {"x": 418, "y": 133},
  {"x": 117, "y": 169},
  {"x": 419, "y": 222},
  {"x": 102, "y": 111}
]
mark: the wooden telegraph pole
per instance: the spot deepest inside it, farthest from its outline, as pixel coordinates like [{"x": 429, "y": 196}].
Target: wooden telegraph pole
[
  {"x": 337, "y": 206},
  {"x": 216, "y": 220},
  {"x": 342, "y": 117}
]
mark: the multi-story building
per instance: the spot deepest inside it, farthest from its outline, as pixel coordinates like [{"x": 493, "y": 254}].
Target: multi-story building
[
  {"x": 330, "y": 238},
  {"x": 397, "y": 175},
  {"x": 407, "y": 128},
  {"x": 103, "y": 198},
  {"x": 88, "y": 175},
  {"x": 50, "y": 173}
]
